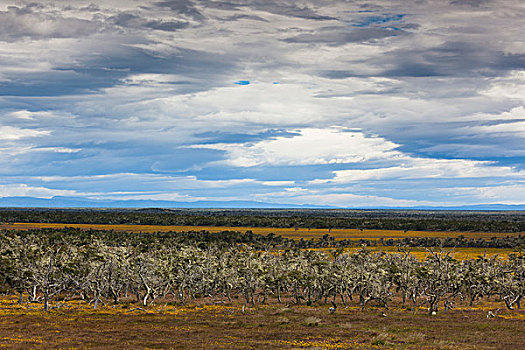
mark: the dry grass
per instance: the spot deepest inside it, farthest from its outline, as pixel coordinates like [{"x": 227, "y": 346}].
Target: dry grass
[
  {"x": 422, "y": 252},
  {"x": 338, "y": 234},
  {"x": 305, "y": 233},
  {"x": 75, "y": 326}
]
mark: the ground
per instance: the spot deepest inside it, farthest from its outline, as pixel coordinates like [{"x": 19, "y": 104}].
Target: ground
[{"x": 215, "y": 324}]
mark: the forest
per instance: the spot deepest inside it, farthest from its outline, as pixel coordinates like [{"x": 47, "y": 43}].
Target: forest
[
  {"x": 464, "y": 221},
  {"x": 104, "y": 266}
]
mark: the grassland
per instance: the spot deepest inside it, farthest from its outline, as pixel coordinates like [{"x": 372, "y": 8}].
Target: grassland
[
  {"x": 294, "y": 233},
  {"x": 422, "y": 252},
  {"x": 216, "y": 325},
  {"x": 305, "y": 233}
]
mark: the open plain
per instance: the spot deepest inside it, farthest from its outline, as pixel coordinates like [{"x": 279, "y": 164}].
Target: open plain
[{"x": 215, "y": 324}]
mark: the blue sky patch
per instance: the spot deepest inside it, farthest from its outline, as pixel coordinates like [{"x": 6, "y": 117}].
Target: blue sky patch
[{"x": 367, "y": 21}]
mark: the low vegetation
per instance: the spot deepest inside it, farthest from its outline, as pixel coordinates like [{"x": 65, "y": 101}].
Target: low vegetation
[
  {"x": 137, "y": 287},
  {"x": 214, "y": 324}
]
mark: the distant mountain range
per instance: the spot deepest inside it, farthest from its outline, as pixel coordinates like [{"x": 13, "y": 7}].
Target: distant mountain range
[{"x": 74, "y": 202}]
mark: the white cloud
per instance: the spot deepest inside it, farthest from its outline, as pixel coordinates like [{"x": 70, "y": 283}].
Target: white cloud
[
  {"x": 510, "y": 129},
  {"x": 508, "y": 87},
  {"x": 156, "y": 182},
  {"x": 504, "y": 194},
  {"x": 426, "y": 168},
  {"x": 14, "y": 133},
  {"x": 277, "y": 183},
  {"x": 38, "y": 115},
  {"x": 296, "y": 190},
  {"x": 343, "y": 200},
  {"x": 57, "y": 149},
  {"x": 165, "y": 196},
  {"x": 23, "y": 190},
  {"x": 307, "y": 147}
]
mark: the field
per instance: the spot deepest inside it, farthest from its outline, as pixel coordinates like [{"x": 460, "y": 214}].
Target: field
[
  {"x": 305, "y": 233},
  {"x": 458, "y": 253},
  {"x": 214, "y": 325},
  {"x": 211, "y": 320},
  {"x": 298, "y": 233}
]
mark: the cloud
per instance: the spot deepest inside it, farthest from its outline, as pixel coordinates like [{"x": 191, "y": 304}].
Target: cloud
[
  {"x": 32, "y": 22},
  {"x": 12, "y": 133},
  {"x": 504, "y": 194},
  {"x": 340, "y": 36},
  {"x": 509, "y": 86},
  {"x": 427, "y": 98},
  {"x": 473, "y": 3},
  {"x": 504, "y": 129},
  {"x": 182, "y": 7},
  {"x": 308, "y": 146},
  {"x": 459, "y": 58},
  {"x": 130, "y": 20},
  {"x": 343, "y": 200},
  {"x": 289, "y": 9},
  {"x": 23, "y": 190},
  {"x": 420, "y": 168}
]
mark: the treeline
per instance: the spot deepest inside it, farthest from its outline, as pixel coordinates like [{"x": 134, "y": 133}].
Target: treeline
[
  {"x": 269, "y": 241},
  {"x": 324, "y": 219},
  {"x": 513, "y": 242},
  {"x": 105, "y": 267}
]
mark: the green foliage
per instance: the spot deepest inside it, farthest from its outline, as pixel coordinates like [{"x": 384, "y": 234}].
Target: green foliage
[{"x": 327, "y": 219}]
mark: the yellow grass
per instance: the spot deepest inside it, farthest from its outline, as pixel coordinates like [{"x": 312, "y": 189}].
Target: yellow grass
[
  {"x": 458, "y": 253},
  {"x": 9, "y": 306},
  {"x": 299, "y": 233},
  {"x": 305, "y": 233}
]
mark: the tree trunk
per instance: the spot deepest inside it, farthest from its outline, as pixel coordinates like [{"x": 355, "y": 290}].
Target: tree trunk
[
  {"x": 434, "y": 304},
  {"x": 46, "y": 301}
]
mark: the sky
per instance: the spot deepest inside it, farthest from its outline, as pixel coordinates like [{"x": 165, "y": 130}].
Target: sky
[{"x": 339, "y": 103}]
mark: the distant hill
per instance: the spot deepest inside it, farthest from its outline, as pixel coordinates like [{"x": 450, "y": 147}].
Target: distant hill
[
  {"x": 74, "y": 202},
  {"x": 479, "y": 207}
]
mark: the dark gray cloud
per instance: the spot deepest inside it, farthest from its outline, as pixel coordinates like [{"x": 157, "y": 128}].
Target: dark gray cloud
[
  {"x": 454, "y": 58},
  {"x": 182, "y": 7},
  {"x": 340, "y": 36},
  {"x": 132, "y": 21},
  {"x": 471, "y": 3},
  {"x": 93, "y": 72},
  {"x": 289, "y": 8},
  {"x": 33, "y": 23},
  {"x": 238, "y": 17},
  {"x": 90, "y": 8},
  {"x": 451, "y": 59},
  {"x": 222, "y": 5},
  {"x": 168, "y": 26}
]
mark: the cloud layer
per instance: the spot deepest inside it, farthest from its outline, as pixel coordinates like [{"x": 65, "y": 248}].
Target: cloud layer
[{"x": 382, "y": 103}]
